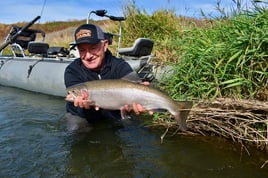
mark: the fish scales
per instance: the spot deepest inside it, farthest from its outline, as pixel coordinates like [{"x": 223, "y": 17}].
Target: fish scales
[{"x": 115, "y": 94}]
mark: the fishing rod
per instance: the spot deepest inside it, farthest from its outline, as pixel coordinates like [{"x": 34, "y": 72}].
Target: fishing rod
[{"x": 12, "y": 38}]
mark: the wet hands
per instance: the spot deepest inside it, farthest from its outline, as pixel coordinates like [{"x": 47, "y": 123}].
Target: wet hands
[
  {"x": 82, "y": 100},
  {"x": 138, "y": 108}
]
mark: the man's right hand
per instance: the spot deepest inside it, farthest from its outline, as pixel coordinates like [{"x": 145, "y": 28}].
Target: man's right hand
[{"x": 82, "y": 100}]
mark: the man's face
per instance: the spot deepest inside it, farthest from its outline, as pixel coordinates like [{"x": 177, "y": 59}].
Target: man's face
[{"x": 92, "y": 55}]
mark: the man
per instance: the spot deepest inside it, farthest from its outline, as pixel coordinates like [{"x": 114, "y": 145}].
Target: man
[{"x": 96, "y": 62}]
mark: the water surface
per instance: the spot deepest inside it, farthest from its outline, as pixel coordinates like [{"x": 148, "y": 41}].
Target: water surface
[{"x": 34, "y": 143}]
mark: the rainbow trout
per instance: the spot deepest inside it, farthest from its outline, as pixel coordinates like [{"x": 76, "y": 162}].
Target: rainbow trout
[{"x": 115, "y": 94}]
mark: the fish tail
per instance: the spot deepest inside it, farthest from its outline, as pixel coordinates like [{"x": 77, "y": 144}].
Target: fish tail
[{"x": 182, "y": 114}]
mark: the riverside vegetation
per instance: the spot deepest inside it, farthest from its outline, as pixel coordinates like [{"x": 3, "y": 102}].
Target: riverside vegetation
[{"x": 220, "y": 63}]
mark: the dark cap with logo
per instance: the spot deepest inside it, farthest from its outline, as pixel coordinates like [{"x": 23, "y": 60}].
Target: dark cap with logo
[{"x": 88, "y": 33}]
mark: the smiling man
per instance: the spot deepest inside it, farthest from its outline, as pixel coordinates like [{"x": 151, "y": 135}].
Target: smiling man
[{"x": 96, "y": 62}]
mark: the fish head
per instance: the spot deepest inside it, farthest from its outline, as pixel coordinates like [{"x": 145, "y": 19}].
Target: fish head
[{"x": 74, "y": 92}]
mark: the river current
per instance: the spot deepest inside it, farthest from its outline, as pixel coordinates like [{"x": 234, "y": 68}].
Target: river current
[{"x": 34, "y": 142}]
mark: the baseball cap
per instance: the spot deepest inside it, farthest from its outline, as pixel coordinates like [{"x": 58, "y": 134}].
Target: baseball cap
[{"x": 88, "y": 33}]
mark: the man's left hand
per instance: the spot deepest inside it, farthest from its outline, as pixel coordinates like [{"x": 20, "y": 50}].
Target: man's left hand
[{"x": 138, "y": 108}]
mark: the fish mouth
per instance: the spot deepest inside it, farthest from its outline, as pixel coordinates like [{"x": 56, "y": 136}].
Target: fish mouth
[
  {"x": 70, "y": 97},
  {"x": 73, "y": 93}
]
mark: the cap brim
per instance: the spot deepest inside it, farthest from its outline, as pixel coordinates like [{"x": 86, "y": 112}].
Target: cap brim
[{"x": 87, "y": 41}]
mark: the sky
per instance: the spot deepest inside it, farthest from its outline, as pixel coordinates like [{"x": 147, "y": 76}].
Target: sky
[{"x": 13, "y": 11}]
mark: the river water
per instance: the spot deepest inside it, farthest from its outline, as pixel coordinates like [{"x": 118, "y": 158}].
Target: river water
[{"x": 34, "y": 143}]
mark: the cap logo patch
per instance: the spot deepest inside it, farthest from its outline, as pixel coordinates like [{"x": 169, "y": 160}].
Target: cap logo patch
[{"x": 83, "y": 33}]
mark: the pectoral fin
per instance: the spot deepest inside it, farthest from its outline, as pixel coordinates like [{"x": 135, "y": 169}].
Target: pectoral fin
[{"x": 123, "y": 113}]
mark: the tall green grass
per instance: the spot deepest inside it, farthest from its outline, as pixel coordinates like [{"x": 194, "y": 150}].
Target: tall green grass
[
  {"x": 163, "y": 26},
  {"x": 227, "y": 60},
  {"x": 221, "y": 57}
]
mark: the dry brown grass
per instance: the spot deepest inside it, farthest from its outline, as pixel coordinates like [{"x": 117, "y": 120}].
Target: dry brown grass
[
  {"x": 61, "y": 37},
  {"x": 57, "y": 33},
  {"x": 243, "y": 121}
]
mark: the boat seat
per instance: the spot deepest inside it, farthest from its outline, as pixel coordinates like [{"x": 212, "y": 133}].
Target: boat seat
[
  {"x": 141, "y": 47},
  {"x": 38, "y": 48},
  {"x": 57, "y": 51},
  {"x": 25, "y": 36},
  {"x": 21, "y": 42}
]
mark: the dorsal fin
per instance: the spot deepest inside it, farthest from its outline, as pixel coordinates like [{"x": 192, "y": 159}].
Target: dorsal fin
[{"x": 132, "y": 77}]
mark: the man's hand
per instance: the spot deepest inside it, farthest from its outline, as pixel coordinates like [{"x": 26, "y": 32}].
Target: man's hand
[
  {"x": 82, "y": 100},
  {"x": 138, "y": 108}
]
